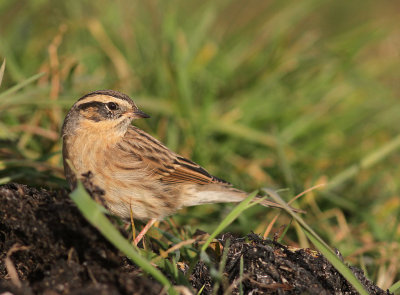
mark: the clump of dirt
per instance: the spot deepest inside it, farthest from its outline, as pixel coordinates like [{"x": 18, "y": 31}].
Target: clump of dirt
[
  {"x": 272, "y": 268},
  {"x": 64, "y": 254},
  {"x": 47, "y": 247}
]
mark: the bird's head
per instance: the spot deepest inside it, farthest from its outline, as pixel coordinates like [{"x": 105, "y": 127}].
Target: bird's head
[{"x": 102, "y": 111}]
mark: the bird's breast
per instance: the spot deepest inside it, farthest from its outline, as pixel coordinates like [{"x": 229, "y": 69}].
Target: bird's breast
[{"x": 87, "y": 151}]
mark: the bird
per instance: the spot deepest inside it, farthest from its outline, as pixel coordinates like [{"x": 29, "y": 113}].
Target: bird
[{"x": 140, "y": 177}]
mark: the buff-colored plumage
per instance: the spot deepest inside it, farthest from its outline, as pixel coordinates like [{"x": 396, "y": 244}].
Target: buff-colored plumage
[{"x": 136, "y": 172}]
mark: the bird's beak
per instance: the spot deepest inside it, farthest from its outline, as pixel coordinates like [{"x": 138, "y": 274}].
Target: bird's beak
[{"x": 138, "y": 114}]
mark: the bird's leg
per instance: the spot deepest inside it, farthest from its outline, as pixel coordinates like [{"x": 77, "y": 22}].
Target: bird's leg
[{"x": 144, "y": 230}]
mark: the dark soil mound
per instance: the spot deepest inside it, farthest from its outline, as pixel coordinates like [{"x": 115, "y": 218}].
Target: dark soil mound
[
  {"x": 53, "y": 250},
  {"x": 65, "y": 254}
]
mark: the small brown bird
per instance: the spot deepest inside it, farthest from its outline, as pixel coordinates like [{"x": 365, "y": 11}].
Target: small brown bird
[{"x": 137, "y": 172}]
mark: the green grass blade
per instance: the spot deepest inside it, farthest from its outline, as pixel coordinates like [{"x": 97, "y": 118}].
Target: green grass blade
[
  {"x": 91, "y": 211},
  {"x": 2, "y": 68},
  {"x": 4, "y": 180},
  {"x": 230, "y": 218},
  {"x": 395, "y": 288},
  {"x": 285, "y": 164},
  {"x": 322, "y": 246},
  {"x": 17, "y": 87},
  {"x": 337, "y": 263},
  {"x": 244, "y": 132},
  {"x": 241, "y": 266},
  {"x": 201, "y": 290},
  {"x": 365, "y": 163},
  {"x": 280, "y": 239},
  {"x": 218, "y": 274},
  {"x": 278, "y": 199}
]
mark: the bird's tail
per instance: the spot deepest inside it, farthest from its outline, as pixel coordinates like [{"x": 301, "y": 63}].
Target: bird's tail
[{"x": 208, "y": 194}]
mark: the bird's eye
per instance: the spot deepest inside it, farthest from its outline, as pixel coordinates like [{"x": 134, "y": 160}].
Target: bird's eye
[{"x": 112, "y": 106}]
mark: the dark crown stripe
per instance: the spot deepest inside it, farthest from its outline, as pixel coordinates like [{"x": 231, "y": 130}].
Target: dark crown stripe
[
  {"x": 112, "y": 93},
  {"x": 92, "y": 104}
]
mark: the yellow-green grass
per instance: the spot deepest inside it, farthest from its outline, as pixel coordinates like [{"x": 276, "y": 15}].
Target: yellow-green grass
[{"x": 281, "y": 94}]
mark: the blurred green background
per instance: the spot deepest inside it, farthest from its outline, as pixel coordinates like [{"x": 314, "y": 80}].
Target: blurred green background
[{"x": 283, "y": 94}]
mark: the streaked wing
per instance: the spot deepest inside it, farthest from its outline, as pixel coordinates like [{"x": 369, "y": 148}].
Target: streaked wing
[
  {"x": 188, "y": 171},
  {"x": 165, "y": 164}
]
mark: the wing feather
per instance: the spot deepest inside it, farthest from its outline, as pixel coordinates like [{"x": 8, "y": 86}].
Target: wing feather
[{"x": 166, "y": 165}]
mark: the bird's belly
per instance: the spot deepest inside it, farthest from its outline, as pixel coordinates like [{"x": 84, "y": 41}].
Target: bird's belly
[
  {"x": 129, "y": 187},
  {"x": 140, "y": 202},
  {"x": 132, "y": 193}
]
